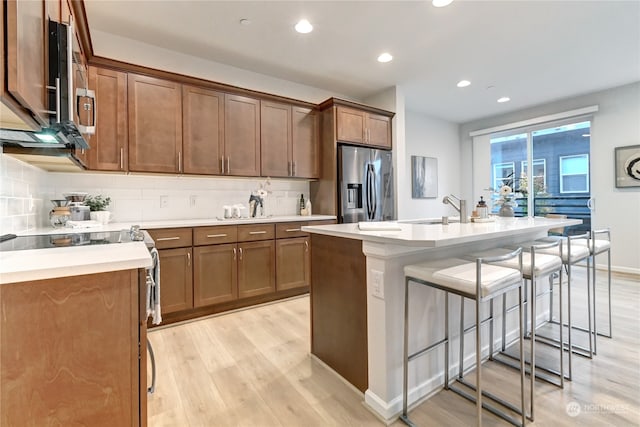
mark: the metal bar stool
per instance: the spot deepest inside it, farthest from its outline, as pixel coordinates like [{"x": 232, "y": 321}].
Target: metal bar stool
[
  {"x": 571, "y": 252},
  {"x": 534, "y": 266},
  {"x": 479, "y": 281},
  {"x": 596, "y": 247}
]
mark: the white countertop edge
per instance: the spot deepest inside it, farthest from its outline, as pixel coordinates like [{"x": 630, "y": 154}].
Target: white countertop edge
[
  {"x": 439, "y": 235},
  {"x": 177, "y": 223},
  {"x": 40, "y": 264}
]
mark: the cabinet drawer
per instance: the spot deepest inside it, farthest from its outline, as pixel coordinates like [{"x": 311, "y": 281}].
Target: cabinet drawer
[
  {"x": 214, "y": 235},
  {"x": 166, "y": 238},
  {"x": 253, "y": 232},
  {"x": 290, "y": 229}
]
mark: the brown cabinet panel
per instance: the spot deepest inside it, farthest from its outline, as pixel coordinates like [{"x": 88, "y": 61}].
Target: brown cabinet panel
[
  {"x": 242, "y": 136},
  {"x": 379, "y": 130},
  {"x": 285, "y": 230},
  {"x": 176, "y": 279},
  {"x": 203, "y": 130},
  {"x": 350, "y": 125},
  {"x": 253, "y": 232},
  {"x": 215, "y": 235},
  {"x": 256, "y": 268},
  {"x": 305, "y": 148},
  {"x": 166, "y": 238},
  {"x": 275, "y": 139},
  {"x": 25, "y": 56},
  {"x": 293, "y": 263},
  {"x": 155, "y": 124},
  {"x": 109, "y": 144},
  {"x": 69, "y": 351},
  {"x": 215, "y": 274}
]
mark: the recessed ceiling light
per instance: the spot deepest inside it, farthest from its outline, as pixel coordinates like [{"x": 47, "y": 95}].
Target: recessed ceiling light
[
  {"x": 245, "y": 21},
  {"x": 385, "y": 57},
  {"x": 463, "y": 83},
  {"x": 303, "y": 26},
  {"x": 504, "y": 99},
  {"x": 441, "y": 3}
]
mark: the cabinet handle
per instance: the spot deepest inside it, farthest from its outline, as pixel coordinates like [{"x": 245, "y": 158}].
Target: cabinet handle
[
  {"x": 121, "y": 158},
  {"x": 162, "y": 239},
  {"x": 222, "y": 161},
  {"x": 189, "y": 259},
  {"x": 228, "y": 165},
  {"x": 306, "y": 246},
  {"x": 289, "y": 169},
  {"x": 292, "y": 230},
  {"x": 216, "y": 235},
  {"x": 179, "y": 161},
  {"x": 293, "y": 168},
  {"x": 258, "y": 232},
  {"x": 240, "y": 254},
  {"x": 234, "y": 254}
]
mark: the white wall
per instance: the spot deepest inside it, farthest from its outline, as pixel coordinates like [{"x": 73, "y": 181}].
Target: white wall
[
  {"x": 431, "y": 137},
  {"x": 22, "y": 189},
  {"x": 617, "y": 123}
]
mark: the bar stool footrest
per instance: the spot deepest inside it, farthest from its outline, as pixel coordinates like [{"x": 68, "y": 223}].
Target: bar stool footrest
[{"x": 487, "y": 406}]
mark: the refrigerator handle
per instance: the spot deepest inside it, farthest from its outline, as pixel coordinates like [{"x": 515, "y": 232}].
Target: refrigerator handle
[
  {"x": 370, "y": 192},
  {"x": 374, "y": 190}
]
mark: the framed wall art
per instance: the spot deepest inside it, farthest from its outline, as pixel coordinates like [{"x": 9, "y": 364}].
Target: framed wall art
[
  {"x": 627, "y": 166},
  {"x": 424, "y": 177}
]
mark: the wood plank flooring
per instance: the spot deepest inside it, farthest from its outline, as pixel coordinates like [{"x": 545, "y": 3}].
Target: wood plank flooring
[{"x": 253, "y": 368}]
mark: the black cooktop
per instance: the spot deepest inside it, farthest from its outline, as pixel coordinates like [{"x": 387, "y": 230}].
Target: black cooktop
[{"x": 44, "y": 241}]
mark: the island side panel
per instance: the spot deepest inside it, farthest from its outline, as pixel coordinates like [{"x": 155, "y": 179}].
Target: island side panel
[
  {"x": 70, "y": 351},
  {"x": 339, "y": 306}
]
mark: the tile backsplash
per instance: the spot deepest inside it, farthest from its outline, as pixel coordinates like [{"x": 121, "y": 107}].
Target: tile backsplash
[
  {"x": 159, "y": 197},
  {"x": 22, "y": 196}
]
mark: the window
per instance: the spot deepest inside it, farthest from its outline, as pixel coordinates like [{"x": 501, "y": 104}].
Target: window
[
  {"x": 502, "y": 172},
  {"x": 539, "y": 175},
  {"x": 574, "y": 174}
]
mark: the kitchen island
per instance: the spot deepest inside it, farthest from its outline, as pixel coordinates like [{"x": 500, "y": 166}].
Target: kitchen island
[{"x": 357, "y": 294}]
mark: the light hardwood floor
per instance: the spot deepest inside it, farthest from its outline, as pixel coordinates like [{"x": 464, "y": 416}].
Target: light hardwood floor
[{"x": 253, "y": 368}]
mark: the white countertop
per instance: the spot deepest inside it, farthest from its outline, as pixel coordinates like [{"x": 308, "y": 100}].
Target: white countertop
[
  {"x": 439, "y": 235},
  {"x": 176, "y": 223},
  {"x": 37, "y": 264}
]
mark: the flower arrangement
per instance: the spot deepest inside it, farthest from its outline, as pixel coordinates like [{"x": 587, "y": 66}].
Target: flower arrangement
[
  {"x": 97, "y": 203},
  {"x": 256, "y": 200}
]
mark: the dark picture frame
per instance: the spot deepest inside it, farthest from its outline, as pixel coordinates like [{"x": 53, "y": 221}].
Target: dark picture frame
[
  {"x": 424, "y": 177},
  {"x": 627, "y": 166}
]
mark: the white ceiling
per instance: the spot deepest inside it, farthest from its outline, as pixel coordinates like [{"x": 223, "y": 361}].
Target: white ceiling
[{"x": 532, "y": 51}]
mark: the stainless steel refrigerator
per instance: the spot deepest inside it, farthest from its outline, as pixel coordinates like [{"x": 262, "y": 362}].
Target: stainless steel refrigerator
[{"x": 365, "y": 184}]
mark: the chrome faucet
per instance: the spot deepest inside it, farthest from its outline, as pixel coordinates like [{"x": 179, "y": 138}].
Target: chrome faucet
[{"x": 461, "y": 207}]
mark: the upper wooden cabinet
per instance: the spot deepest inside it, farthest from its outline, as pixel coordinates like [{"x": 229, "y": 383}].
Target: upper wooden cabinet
[
  {"x": 202, "y": 130},
  {"x": 155, "y": 124},
  {"x": 109, "y": 144},
  {"x": 363, "y": 127},
  {"x": 241, "y": 136},
  {"x": 26, "y": 72},
  {"x": 289, "y": 141}
]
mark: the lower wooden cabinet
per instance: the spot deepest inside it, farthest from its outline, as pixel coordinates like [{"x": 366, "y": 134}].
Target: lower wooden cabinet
[
  {"x": 256, "y": 268},
  {"x": 293, "y": 263},
  {"x": 176, "y": 282},
  {"x": 215, "y": 274}
]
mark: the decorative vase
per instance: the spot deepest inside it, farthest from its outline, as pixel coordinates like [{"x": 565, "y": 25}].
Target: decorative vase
[
  {"x": 102, "y": 217},
  {"x": 506, "y": 210}
]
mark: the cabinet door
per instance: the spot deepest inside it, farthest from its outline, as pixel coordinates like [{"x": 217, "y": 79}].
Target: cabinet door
[
  {"x": 378, "y": 130},
  {"x": 155, "y": 124},
  {"x": 215, "y": 274},
  {"x": 203, "y": 130},
  {"x": 275, "y": 139},
  {"x": 242, "y": 136},
  {"x": 293, "y": 263},
  {"x": 256, "y": 268},
  {"x": 25, "y": 42},
  {"x": 305, "y": 147},
  {"x": 176, "y": 285},
  {"x": 350, "y": 125},
  {"x": 109, "y": 143}
]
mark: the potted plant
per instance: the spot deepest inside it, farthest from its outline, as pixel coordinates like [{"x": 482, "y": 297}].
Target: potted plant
[{"x": 98, "y": 208}]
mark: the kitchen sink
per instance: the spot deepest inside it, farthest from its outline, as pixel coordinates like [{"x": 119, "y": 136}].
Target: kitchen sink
[{"x": 428, "y": 221}]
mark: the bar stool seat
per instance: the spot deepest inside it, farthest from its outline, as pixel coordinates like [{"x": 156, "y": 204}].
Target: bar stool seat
[
  {"x": 480, "y": 281},
  {"x": 543, "y": 265},
  {"x": 596, "y": 246},
  {"x": 576, "y": 253}
]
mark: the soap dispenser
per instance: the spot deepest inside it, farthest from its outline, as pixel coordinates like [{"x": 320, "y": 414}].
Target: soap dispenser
[{"x": 482, "y": 209}]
